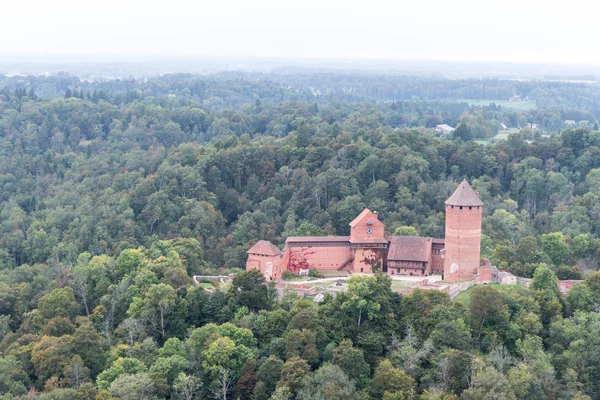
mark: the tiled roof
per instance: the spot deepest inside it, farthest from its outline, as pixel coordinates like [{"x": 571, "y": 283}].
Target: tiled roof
[
  {"x": 464, "y": 196},
  {"x": 317, "y": 239},
  {"x": 369, "y": 240},
  {"x": 264, "y": 247},
  {"x": 356, "y": 220},
  {"x": 409, "y": 248}
]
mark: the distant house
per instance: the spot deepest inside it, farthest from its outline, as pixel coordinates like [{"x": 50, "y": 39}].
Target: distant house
[
  {"x": 535, "y": 127},
  {"x": 570, "y": 122},
  {"x": 518, "y": 99},
  {"x": 503, "y": 126},
  {"x": 515, "y": 99},
  {"x": 443, "y": 128}
]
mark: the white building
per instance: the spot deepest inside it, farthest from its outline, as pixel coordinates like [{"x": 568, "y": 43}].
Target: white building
[{"x": 443, "y": 128}]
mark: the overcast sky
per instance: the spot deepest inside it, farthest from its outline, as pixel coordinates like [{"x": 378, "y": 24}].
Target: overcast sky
[{"x": 500, "y": 30}]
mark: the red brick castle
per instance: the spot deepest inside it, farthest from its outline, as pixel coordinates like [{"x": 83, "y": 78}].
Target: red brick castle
[{"x": 368, "y": 248}]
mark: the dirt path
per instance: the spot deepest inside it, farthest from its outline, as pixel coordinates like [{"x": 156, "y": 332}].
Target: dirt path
[{"x": 434, "y": 278}]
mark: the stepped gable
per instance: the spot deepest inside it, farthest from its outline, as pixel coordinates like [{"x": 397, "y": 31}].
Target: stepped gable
[
  {"x": 265, "y": 248},
  {"x": 409, "y": 248},
  {"x": 464, "y": 195}
]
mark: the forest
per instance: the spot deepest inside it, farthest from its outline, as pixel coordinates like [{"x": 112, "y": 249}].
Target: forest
[{"x": 114, "y": 193}]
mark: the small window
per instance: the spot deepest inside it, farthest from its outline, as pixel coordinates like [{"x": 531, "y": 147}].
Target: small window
[
  {"x": 461, "y": 207},
  {"x": 470, "y": 207},
  {"x": 361, "y": 270}
]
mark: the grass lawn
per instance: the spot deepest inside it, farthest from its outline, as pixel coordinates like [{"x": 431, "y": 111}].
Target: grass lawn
[
  {"x": 452, "y": 282},
  {"x": 502, "y": 135},
  {"x": 334, "y": 274},
  {"x": 464, "y": 297},
  {"x": 524, "y": 105},
  {"x": 206, "y": 285},
  {"x": 401, "y": 285},
  {"x": 322, "y": 284}
]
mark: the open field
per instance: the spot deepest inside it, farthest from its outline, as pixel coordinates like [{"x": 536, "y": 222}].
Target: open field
[
  {"x": 502, "y": 135},
  {"x": 523, "y": 105},
  {"x": 465, "y": 296}
]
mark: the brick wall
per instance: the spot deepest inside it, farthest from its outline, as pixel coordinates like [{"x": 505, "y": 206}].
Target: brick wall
[{"x": 463, "y": 239}]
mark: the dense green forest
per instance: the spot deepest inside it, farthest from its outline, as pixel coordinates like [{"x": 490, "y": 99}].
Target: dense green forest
[{"x": 113, "y": 194}]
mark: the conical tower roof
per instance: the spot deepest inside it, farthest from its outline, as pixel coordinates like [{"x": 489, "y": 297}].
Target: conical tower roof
[{"x": 464, "y": 195}]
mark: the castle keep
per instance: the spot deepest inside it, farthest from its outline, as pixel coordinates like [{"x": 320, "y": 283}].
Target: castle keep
[
  {"x": 464, "y": 211},
  {"x": 367, "y": 248}
]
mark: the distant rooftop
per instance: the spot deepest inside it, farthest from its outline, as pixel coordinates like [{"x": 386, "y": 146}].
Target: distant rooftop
[
  {"x": 445, "y": 127},
  {"x": 409, "y": 248}
]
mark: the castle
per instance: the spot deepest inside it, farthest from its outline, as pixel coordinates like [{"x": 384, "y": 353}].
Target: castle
[{"x": 368, "y": 249}]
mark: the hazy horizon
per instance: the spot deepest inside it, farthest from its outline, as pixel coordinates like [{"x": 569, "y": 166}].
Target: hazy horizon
[{"x": 534, "y": 31}]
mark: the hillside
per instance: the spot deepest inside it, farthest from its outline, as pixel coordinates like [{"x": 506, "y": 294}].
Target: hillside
[{"x": 115, "y": 193}]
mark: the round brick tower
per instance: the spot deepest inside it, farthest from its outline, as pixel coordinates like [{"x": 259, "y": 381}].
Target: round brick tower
[{"x": 463, "y": 233}]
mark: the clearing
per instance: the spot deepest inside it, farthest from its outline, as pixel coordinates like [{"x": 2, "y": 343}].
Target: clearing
[
  {"x": 523, "y": 105},
  {"x": 501, "y": 135}
]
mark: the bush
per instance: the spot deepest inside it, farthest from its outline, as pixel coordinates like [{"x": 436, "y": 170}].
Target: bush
[
  {"x": 314, "y": 273},
  {"x": 287, "y": 275}
]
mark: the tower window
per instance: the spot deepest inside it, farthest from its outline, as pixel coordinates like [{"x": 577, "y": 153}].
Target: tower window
[
  {"x": 470, "y": 207},
  {"x": 461, "y": 207}
]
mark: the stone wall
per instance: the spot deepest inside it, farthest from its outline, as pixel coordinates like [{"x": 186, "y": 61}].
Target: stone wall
[
  {"x": 222, "y": 278},
  {"x": 523, "y": 281},
  {"x": 454, "y": 289}
]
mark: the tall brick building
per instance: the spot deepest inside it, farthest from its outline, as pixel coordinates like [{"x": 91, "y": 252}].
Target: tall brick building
[
  {"x": 368, "y": 248},
  {"x": 464, "y": 211}
]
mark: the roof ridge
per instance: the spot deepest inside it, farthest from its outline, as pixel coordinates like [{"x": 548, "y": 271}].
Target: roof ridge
[
  {"x": 464, "y": 195},
  {"x": 360, "y": 217},
  {"x": 264, "y": 247}
]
